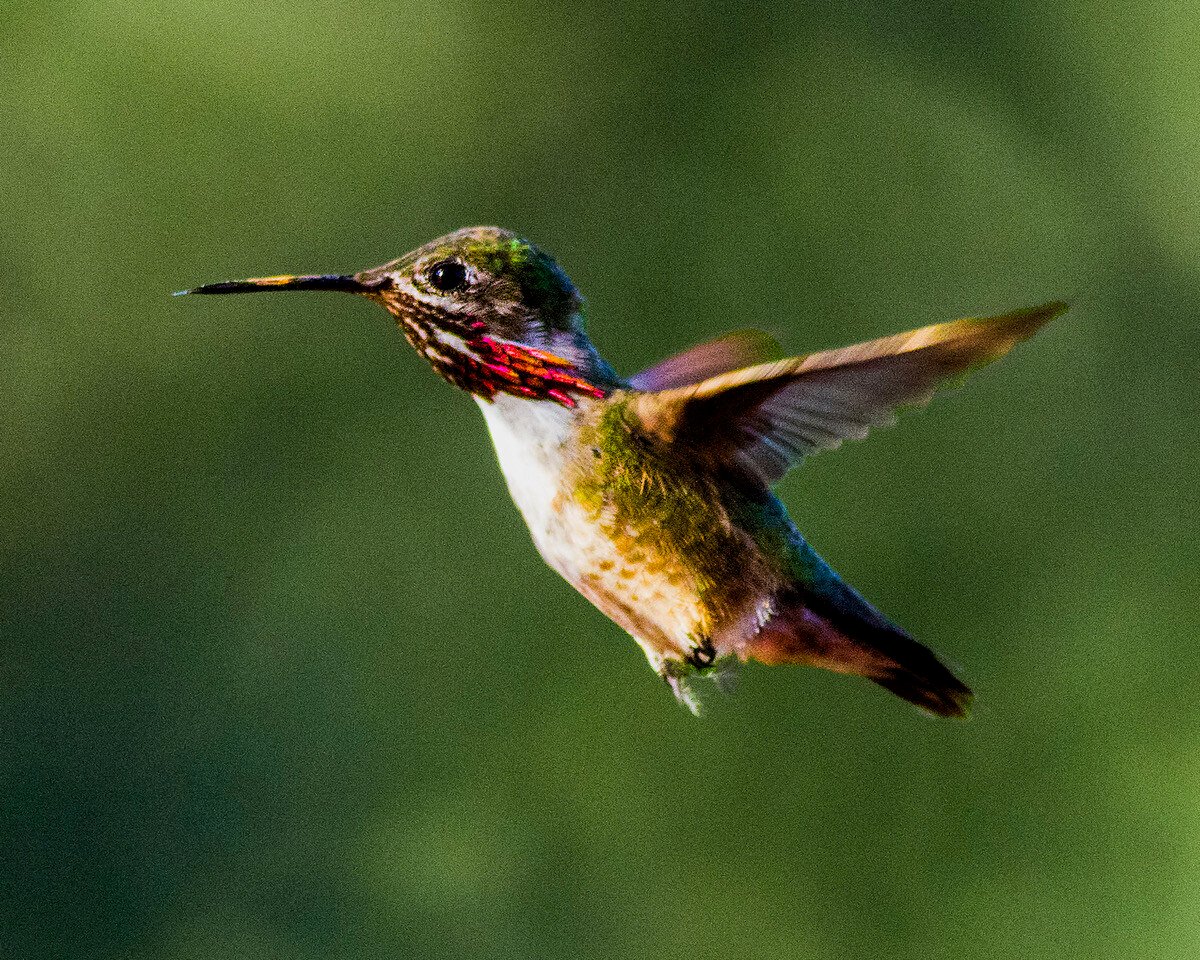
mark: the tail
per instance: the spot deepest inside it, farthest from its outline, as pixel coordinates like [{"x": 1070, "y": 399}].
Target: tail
[
  {"x": 912, "y": 671},
  {"x": 845, "y": 634}
]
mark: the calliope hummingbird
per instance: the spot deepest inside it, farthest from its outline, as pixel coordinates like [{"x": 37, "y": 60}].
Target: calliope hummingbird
[{"x": 652, "y": 495}]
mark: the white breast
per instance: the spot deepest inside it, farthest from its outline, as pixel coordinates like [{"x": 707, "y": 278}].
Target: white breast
[{"x": 531, "y": 440}]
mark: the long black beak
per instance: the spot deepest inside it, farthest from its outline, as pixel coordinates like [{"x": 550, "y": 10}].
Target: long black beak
[{"x": 324, "y": 281}]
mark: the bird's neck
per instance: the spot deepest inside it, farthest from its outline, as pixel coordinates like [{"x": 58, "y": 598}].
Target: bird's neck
[{"x": 562, "y": 368}]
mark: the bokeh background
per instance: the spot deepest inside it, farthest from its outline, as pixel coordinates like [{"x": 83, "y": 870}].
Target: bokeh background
[{"x": 281, "y": 675}]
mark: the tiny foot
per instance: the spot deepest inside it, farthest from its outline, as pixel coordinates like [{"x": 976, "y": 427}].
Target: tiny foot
[
  {"x": 703, "y": 655},
  {"x": 678, "y": 676}
]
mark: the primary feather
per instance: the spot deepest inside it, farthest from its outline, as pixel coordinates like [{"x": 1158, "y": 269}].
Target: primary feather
[{"x": 765, "y": 419}]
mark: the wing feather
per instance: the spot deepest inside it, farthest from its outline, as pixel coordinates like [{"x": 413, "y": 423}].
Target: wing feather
[
  {"x": 736, "y": 350},
  {"x": 765, "y": 419}
]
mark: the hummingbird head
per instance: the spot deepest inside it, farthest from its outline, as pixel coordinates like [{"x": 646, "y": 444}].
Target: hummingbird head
[{"x": 490, "y": 312}]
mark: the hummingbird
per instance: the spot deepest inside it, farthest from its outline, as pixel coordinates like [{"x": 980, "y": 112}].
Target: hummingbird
[{"x": 651, "y": 495}]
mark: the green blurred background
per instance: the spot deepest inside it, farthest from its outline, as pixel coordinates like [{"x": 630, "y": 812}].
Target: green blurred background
[{"x": 282, "y": 675}]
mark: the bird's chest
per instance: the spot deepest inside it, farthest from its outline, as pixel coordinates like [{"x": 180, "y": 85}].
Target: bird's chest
[
  {"x": 534, "y": 444},
  {"x": 630, "y": 570}
]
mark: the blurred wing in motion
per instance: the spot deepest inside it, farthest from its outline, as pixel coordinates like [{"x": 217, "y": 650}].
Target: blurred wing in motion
[
  {"x": 763, "y": 420},
  {"x": 742, "y": 348}
]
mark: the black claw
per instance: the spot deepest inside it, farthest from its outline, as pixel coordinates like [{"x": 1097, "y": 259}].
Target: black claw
[{"x": 702, "y": 655}]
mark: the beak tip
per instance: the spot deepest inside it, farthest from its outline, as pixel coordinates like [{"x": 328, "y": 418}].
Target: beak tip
[{"x": 181, "y": 293}]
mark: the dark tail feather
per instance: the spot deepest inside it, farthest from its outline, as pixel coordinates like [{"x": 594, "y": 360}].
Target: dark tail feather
[
  {"x": 911, "y": 671},
  {"x": 810, "y": 632}
]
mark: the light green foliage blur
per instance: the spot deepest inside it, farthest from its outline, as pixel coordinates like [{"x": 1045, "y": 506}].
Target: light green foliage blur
[{"x": 281, "y": 675}]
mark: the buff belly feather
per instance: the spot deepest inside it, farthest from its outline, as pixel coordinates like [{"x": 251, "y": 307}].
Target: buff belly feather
[{"x": 665, "y": 564}]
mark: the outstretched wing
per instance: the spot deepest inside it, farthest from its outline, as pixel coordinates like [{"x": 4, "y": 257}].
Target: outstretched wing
[
  {"x": 765, "y": 419},
  {"x": 742, "y": 348}
]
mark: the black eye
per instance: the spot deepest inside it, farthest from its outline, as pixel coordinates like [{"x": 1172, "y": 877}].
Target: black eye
[{"x": 448, "y": 275}]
